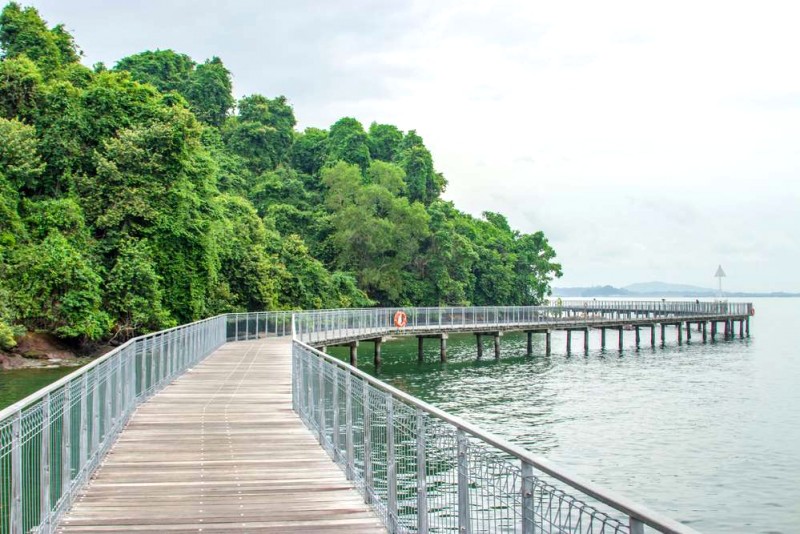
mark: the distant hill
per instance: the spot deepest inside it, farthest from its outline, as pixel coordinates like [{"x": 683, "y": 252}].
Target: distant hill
[
  {"x": 657, "y": 289},
  {"x": 665, "y": 287},
  {"x": 594, "y": 291}
]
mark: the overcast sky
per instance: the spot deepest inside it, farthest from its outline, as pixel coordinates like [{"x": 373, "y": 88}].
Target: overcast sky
[{"x": 649, "y": 141}]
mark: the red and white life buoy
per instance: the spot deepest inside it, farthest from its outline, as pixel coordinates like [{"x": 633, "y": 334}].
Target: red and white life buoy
[{"x": 400, "y": 319}]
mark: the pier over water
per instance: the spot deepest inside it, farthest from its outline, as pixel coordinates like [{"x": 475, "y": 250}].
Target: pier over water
[{"x": 198, "y": 428}]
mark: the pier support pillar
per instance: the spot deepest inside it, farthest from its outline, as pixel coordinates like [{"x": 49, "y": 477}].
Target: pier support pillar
[
  {"x": 497, "y": 337},
  {"x": 324, "y": 349},
  {"x": 420, "y": 346},
  {"x": 602, "y": 338},
  {"x": 705, "y": 332},
  {"x": 479, "y": 342},
  {"x": 547, "y": 344},
  {"x": 747, "y": 326},
  {"x": 354, "y": 353},
  {"x": 621, "y": 338},
  {"x": 741, "y": 329},
  {"x": 638, "y": 337},
  {"x": 698, "y": 327},
  {"x": 653, "y": 335},
  {"x": 443, "y": 348},
  {"x": 713, "y": 331},
  {"x": 586, "y": 340},
  {"x": 688, "y": 332},
  {"x": 377, "y": 355},
  {"x": 663, "y": 328},
  {"x": 530, "y": 342},
  {"x": 569, "y": 341},
  {"x": 727, "y": 332}
]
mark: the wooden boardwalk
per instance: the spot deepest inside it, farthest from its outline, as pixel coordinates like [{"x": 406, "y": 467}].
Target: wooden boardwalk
[{"x": 220, "y": 450}]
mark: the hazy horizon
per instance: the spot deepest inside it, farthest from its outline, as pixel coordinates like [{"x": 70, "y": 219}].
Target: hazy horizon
[{"x": 648, "y": 142}]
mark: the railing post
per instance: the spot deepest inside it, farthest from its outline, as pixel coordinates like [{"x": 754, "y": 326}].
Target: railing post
[
  {"x": 321, "y": 404},
  {"x": 391, "y": 465},
  {"x": 526, "y": 487},
  {"x": 44, "y": 467},
  {"x": 95, "y": 413},
  {"x": 367, "y": 411},
  {"x": 336, "y": 414},
  {"x": 349, "y": 422},
  {"x": 464, "y": 526},
  {"x": 15, "y": 519},
  {"x": 107, "y": 414},
  {"x": 143, "y": 368},
  {"x": 422, "y": 476},
  {"x": 66, "y": 441},
  {"x": 635, "y": 526},
  {"x": 83, "y": 453}
]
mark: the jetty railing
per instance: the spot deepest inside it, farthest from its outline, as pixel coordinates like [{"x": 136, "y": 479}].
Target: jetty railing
[
  {"x": 424, "y": 470},
  {"x": 52, "y": 441},
  {"x": 315, "y": 327}
]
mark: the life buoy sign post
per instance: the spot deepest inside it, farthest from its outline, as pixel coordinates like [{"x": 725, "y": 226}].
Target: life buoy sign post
[{"x": 400, "y": 319}]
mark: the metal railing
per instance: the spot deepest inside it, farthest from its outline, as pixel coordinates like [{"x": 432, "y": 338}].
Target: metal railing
[
  {"x": 316, "y": 327},
  {"x": 52, "y": 441},
  {"x": 423, "y": 470}
]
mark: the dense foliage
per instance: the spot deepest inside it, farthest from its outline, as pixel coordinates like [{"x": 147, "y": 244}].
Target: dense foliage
[{"x": 135, "y": 198}]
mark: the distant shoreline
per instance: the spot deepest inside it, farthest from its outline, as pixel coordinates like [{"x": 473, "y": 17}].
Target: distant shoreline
[{"x": 610, "y": 291}]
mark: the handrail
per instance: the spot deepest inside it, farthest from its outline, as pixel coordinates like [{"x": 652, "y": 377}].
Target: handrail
[
  {"x": 622, "y": 504},
  {"x": 82, "y": 413}
]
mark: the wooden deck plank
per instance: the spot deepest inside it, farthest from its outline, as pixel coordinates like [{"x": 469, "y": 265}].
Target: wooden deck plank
[{"x": 220, "y": 450}]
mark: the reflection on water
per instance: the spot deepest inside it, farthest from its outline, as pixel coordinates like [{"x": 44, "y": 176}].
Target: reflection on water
[
  {"x": 704, "y": 433},
  {"x": 16, "y": 384}
]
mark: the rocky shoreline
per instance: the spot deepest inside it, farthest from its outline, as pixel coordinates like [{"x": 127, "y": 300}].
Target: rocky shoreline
[{"x": 44, "y": 351}]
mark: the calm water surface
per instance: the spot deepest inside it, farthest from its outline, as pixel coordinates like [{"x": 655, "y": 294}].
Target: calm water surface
[
  {"x": 16, "y": 384},
  {"x": 708, "y": 434}
]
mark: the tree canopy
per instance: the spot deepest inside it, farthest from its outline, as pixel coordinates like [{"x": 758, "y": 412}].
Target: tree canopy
[{"x": 139, "y": 197}]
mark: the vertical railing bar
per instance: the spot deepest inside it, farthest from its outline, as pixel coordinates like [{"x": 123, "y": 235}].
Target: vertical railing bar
[
  {"x": 335, "y": 433},
  {"x": 44, "y": 463},
  {"x": 95, "y": 414},
  {"x": 66, "y": 442},
  {"x": 15, "y": 519},
  {"x": 391, "y": 465},
  {"x": 83, "y": 452},
  {"x": 367, "y": 414},
  {"x": 422, "y": 475},
  {"x": 350, "y": 471},
  {"x": 526, "y": 489},
  {"x": 464, "y": 526}
]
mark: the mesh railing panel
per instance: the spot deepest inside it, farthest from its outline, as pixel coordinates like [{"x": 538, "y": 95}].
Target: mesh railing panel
[
  {"x": 421, "y": 473},
  {"x": 51, "y": 442}
]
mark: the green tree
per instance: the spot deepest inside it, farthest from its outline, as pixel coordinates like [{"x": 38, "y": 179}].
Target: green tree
[
  {"x": 133, "y": 291},
  {"x": 385, "y": 141},
  {"x": 262, "y": 132},
  {"x": 166, "y": 70},
  {"x": 57, "y": 289},
  {"x": 20, "y": 88},
  {"x": 19, "y": 156},
  {"x": 23, "y": 32},
  {"x": 309, "y": 151},
  {"x": 376, "y": 234},
  {"x": 209, "y": 92},
  {"x": 347, "y": 141},
  {"x": 424, "y": 183}
]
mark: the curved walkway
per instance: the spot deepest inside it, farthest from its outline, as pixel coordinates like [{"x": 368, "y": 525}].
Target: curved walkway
[{"x": 220, "y": 450}]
